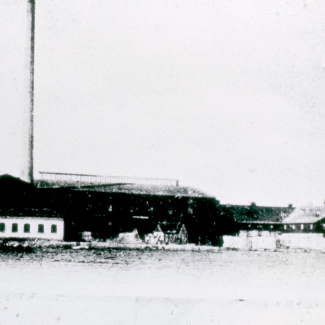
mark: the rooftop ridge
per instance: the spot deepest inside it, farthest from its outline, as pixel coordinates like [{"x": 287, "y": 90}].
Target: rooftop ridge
[{"x": 102, "y": 179}]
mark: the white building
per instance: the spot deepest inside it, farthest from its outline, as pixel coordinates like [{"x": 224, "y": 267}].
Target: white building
[{"x": 31, "y": 227}]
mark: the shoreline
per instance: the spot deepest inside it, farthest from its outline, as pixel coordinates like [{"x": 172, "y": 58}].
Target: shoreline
[{"x": 240, "y": 245}]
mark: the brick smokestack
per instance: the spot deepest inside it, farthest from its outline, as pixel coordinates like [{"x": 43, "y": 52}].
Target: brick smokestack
[{"x": 28, "y": 161}]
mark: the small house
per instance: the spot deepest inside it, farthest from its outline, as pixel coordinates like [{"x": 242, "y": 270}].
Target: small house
[
  {"x": 174, "y": 233},
  {"x": 26, "y": 227},
  {"x": 305, "y": 219},
  {"x": 31, "y": 223},
  {"x": 168, "y": 233}
]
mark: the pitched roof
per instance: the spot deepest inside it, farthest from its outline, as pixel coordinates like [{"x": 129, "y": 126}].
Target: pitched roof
[
  {"x": 28, "y": 212},
  {"x": 306, "y": 214},
  {"x": 170, "y": 227},
  {"x": 8, "y": 182}
]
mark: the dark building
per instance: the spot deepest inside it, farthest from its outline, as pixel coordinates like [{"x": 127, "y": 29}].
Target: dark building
[
  {"x": 108, "y": 209},
  {"x": 254, "y": 217}
]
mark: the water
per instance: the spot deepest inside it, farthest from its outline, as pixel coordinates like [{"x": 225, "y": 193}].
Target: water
[{"x": 161, "y": 287}]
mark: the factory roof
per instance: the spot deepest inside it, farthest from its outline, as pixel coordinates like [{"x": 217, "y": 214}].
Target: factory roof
[
  {"x": 11, "y": 183},
  {"x": 164, "y": 190}
]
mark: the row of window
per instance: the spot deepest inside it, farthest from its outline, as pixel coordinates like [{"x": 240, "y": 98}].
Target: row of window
[
  {"x": 14, "y": 228},
  {"x": 302, "y": 227}
]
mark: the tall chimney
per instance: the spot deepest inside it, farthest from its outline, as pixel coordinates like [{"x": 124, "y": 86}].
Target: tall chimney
[{"x": 28, "y": 164}]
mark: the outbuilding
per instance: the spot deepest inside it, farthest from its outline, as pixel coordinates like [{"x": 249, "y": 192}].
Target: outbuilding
[
  {"x": 306, "y": 219},
  {"x": 31, "y": 227},
  {"x": 168, "y": 233}
]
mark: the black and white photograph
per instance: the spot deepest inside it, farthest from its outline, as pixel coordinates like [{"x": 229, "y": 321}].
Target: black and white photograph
[{"x": 162, "y": 162}]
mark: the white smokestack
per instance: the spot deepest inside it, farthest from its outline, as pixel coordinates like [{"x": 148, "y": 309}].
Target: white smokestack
[{"x": 28, "y": 122}]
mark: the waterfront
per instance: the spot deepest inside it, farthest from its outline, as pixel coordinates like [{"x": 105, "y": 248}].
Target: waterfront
[
  {"x": 59, "y": 286},
  {"x": 161, "y": 287}
]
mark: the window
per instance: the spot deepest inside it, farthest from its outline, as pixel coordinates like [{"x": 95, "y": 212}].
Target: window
[
  {"x": 41, "y": 229},
  {"x": 2, "y": 227},
  {"x": 53, "y": 229},
  {"x": 14, "y": 227},
  {"x": 26, "y": 227}
]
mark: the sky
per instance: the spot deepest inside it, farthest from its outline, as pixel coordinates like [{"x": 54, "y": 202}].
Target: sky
[{"x": 225, "y": 96}]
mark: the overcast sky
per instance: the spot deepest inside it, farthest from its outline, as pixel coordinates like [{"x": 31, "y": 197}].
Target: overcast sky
[{"x": 227, "y": 96}]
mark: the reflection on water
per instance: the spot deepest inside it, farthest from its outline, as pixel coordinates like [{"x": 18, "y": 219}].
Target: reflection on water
[
  {"x": 241, "y": 267},
  {"x": 265, "y": 281}
]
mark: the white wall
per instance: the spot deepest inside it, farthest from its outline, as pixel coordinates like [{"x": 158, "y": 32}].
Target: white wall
[
  {"x": 33, "y": 222},
  {"x": 303, "y": 241},
  {"x": 274, "y": 240}
]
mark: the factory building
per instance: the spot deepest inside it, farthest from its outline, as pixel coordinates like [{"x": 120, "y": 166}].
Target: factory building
[{"x": 106, "y": 210}]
